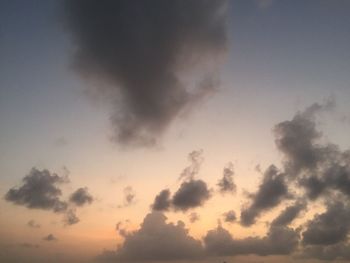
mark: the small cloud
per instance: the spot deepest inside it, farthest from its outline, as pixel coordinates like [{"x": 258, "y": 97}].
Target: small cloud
[
  {"x": 50, "y": 237},
  {"x": 194, "y": 217},
  {"x": 31, "y": 223},
  {"x": 81, "y": 197},
  {"x": 230, "y": 216}
]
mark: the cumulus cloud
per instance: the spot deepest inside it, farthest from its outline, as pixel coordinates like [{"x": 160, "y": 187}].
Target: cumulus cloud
[
  {"x": 226, "y": 184},
  {"x": 162, "y": 201},
  {"x": 50, "y": 237},
  {"x": 142, "y": 53},
  {"x": 289, "y": 214},
  {"x": 271, "y": 192},
  {"x": 81, "y": 197},
  {"x": 156, "y": 240},
  {"x": 230, "y": 216},
  {"x": 330, "y": 227},
  {"x": 31, "y": 223},
  {"x": 39, "y": 191},
  {"x": 278, "y": 241},
  {"x": 191, "y": 194}
]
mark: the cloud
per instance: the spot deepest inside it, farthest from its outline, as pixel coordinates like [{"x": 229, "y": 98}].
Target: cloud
[
  {"x": 226, "y": 184},
  {"x": 191, "y": 194},
  {"x": 230, "y": 216},
  {"x": 278, "y": 241},
  {"x": 196, "y": 159},
  {"x": 50, "y": 237},
  {"x": 129, "y": 196},
  {"x": 162, "y": 201},
  {"x": 194, "y": 217},
  {"x": 271, "y": 192},
  {"x": 141, "y": 55},
  {"x": 330, "y": 227},
  {"x": 81, "y": 197},
  {"x": 70, "y": 218},
  {"x": 289, "y": 214},
  {"x": 39, "y": 191},
  {"x": 156, "y": 240},
  {"x": 31, "y": 223}
]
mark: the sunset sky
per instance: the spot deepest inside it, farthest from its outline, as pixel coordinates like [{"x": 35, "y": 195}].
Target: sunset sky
[{"x": 174, "y": 131}]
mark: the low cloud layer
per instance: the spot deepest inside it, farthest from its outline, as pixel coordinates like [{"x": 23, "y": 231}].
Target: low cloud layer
[
  {"x": 140, "y": 53},
  {"x": 156, "y": 240}
]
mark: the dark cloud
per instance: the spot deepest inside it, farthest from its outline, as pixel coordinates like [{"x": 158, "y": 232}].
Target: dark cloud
[
  {"x": 191, "y": 194},
  {"x": 50, "y": 237},
  {"x": 162, "y": 201},
  {"x": 140, "y": 54},
  {"x": 278, "y": 241},
  {"x": 31, "y": 223},
  {"x": 330, "y": 227},
  {"x": 121, "y": 230},
  {"x": 156, "y": 240},
  {"x": 230, "y": 216},
  {"x": 271, "y": 192},
  {"x": 81, "y": 197},
  {"x": 194, "y": 217},
  {"x": 226, "y": 184},
  {"x": 39, "y": 191},
  {"x": 70, "y": 218},
  {"x": 332, "y": 252},
  {"x": 289, "y": 214}
]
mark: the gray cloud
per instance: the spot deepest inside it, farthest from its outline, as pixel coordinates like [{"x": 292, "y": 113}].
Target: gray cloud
[
  {"x": 70, "y": 218},
  {"x": 226, "y": 184},
  {"x": 191, "y": 194},
  {"x": 129, "y": 196},
  {"x": 162, "y": 201},
  {"x": 81, "y": 197},
  {"x": 278, "y": 241},
  {"x": 50, "y": 237},
  {"x": 332, "y": 252},
  {"x": 330, "y": 227},
  {"x": 196, "y": 159},
  {"x": 289, "y": 214},
  {"x": 271, "y": 192},
  {"x": 31, "y": 223},
  {"x": 156, "y": 240},
  {"x": 142, "y": 53},
  {"x": 230, "y": 216},
  {"x": 39, "y": 191}
]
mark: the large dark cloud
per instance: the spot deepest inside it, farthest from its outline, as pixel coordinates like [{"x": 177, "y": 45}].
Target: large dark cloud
[
  {"x": 140, "y": 54},
  {"x": 289, "y": 214},
  {"x": 271, "y": 192},
  {"x": 39, "y": 191},
  {"x": 81, "y": 197},
  {"x": 156, "y": 240},
  {"x": 330, "y": 227},
  {"x": 191, "y": 194},
  {"x": 226, "y": 184},
  {"x": 278, "y": 241}
]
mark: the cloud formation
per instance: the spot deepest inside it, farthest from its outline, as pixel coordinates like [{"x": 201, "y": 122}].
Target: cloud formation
[
  {"x": 39, "y": 191},
  {"x": 226, "y": 184},
  {"x": 81, "y": 197},
  {"x": 289, "y": 214},
  {"x": 271, "y": 192},
  {"x": 194, "y": 217},
  {"x": 140, "y": 53},
  {"x": 278, "y": 241},
  {"x": 230, "y": 216},
  {"x": 191, "y": 194},
  {"x": 162, "y": 201},
  {"x": 156, "y": 240},
  {"x": 50, "y": 237}
]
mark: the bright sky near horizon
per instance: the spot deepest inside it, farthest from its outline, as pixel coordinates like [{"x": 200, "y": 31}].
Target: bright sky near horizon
[{"x": 224, "y": 115}]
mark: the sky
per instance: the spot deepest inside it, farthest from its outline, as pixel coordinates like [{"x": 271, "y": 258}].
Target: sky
[{"x": 174, "y": 131}]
